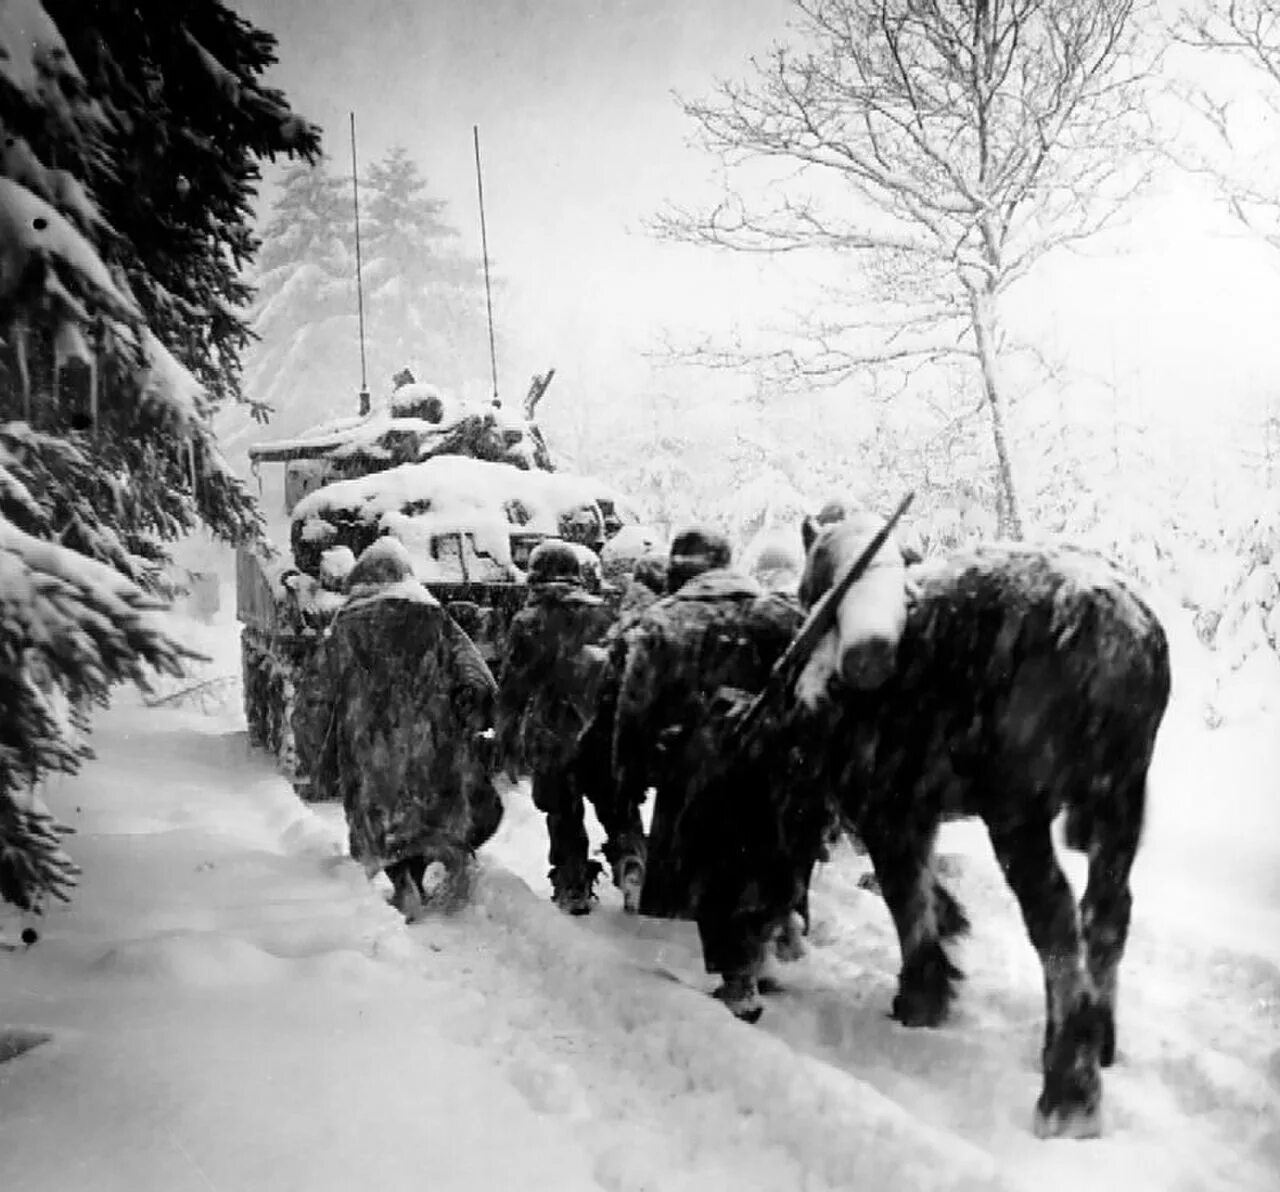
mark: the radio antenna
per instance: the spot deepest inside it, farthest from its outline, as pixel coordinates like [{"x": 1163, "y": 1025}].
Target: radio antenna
[
  {"x": 484, "y": 248},
  {"x": 355, "y": 192}
]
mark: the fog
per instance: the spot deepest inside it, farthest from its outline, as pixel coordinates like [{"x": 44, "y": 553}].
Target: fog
[{"x": 582, "y": 141}]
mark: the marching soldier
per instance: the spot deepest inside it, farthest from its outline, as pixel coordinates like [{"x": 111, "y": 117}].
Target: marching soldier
[
  {"x": 553, "y": 673},
  {"x": 401, "y": 701},
  {"x": 715, "y": 628}
]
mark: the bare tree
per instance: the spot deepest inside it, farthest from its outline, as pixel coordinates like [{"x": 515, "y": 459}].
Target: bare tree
[
  {"x": 1237, "y": 109},
  {"x": 946, "y": 146}
]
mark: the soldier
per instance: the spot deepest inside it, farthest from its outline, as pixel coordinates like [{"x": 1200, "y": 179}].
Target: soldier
[
  {"x": 774, "y": 558},
  {"x": 634, "y": 563},
  {"x": 405, "y": 701},
  {"x": 553, "y": 673},
  {"x": 715, "y": 628},
  {"x": 633, "y": 589}
]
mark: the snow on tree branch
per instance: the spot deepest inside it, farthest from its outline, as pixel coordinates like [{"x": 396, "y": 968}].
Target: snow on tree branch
[
  {"x": 1238, "y": 109},
  {"x": 70, "y": 628},
  {"x": 125, "y": 193},
  {"x": 34, "y": 234},
  {"x": 963, "y": 142},
  {"x": 29, "y": 40}
]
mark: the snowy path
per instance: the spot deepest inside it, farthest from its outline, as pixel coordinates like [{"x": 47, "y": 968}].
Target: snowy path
[
  {"x": 234, "y": 1007},
  {"x": 1194, "y": 1100}
]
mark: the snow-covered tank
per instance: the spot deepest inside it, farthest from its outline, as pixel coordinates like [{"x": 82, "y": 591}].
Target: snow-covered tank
[{"x": 469, "y": 489}]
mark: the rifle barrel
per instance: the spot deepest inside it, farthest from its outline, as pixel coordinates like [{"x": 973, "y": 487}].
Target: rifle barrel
[{"x": 819, "y": 621}]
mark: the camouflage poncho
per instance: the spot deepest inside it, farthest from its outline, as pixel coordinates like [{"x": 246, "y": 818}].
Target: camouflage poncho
[
  {"x": 551, "y": 677},
  {"x": 404, "y": 698},
  {"x": 719, "y": 630}
]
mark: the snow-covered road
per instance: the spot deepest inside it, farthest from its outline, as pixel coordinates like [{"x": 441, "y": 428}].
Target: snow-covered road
[{"x": 233, "y": 1006}]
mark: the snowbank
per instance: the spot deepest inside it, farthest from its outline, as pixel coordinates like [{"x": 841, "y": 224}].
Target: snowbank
[
  {"x": 231, "y": 1004},
  {"x": 276, "y": 1025},
  {"x": 836, "y": 1128}
]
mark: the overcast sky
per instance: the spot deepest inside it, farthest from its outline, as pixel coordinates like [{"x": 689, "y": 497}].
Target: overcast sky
[{"x": 582, "y": 140}]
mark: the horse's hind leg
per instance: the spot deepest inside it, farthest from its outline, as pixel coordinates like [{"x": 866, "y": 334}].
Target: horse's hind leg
[
  {"x": 1070, "y": 1100},
  {"x": 1116, "y": 828},
  {"x": 927, "y": 983}
]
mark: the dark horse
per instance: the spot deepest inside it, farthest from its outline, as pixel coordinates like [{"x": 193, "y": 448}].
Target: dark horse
[{"x": 1007, "y": 682}]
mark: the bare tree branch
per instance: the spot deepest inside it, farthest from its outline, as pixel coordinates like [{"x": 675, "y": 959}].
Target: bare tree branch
[
  {"x": 945, "y": 147},
  {"x": 1245, "y": 32}
]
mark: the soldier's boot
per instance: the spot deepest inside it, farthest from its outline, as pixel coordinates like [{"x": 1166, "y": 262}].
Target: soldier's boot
[
  {"x": 573, "y": 887},
  {"x": 628, "y": 876},
  {"x": 406, "y": 889},
  {"x": 788, "y": 943},
  {"x": 740, "y": 992},
  {"x": 625, "y": 851},
  {"x": 449, "y": 876}
]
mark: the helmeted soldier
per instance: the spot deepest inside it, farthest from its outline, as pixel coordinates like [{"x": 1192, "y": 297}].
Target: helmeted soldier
[
  {"x": 634, "y": 562},
  {"x": 553, "y": 671},
  {"x": 403, "y": 702},
  {"x": 695, "y": 551},
  {"x": 637, "y": 578},
  {"x": 715, "y": 628},
  {"x": 775, "y": 559}
]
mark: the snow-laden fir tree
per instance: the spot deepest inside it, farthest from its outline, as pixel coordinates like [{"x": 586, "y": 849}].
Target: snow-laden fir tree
[
  {"x": 424, "y": 297},
  {"x": 130, "y": 135},
  {"x": 305, "y": 367}
]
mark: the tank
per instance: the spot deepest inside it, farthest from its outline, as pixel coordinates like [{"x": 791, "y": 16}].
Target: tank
[{"x": 469, "y": 489}]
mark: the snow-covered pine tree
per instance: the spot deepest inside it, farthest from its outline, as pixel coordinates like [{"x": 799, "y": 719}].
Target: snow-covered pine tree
[
  {"x": 188, "y": 121},
  {"x": 424, "y": 297},
  {"x": 118, "y": 331},
  {"x": 304, "y": 312}
]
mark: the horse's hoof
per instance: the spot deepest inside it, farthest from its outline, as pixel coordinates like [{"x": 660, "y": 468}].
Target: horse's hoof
[
  {"x": 926, "y": 986},
  {"x": 1068, "y": 1122},
  {"x": 630, "y": 879},
  {"x": 916, "y": 1009}
]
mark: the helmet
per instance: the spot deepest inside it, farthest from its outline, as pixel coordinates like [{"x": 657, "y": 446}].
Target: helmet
[
  {"x": 695, "y": 550},
  {"x": 555, "y": 561},
  {"x": 774, "y": 558},
  {"x": 623, "y": 553},
  {"x": 838, "y": 509},
  {"x": 385, "y": 562}
]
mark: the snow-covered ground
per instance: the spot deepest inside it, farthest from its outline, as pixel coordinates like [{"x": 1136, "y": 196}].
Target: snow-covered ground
[{"x": 232, "y": 1005}]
